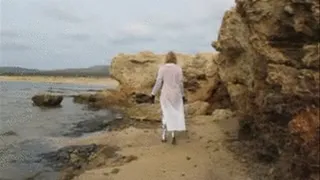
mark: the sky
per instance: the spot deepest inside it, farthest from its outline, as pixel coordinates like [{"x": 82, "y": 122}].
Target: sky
[{"x": 54, "y": 34}]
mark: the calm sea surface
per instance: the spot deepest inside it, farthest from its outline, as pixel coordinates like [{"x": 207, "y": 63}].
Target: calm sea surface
[{"x": 38, "y": 130}]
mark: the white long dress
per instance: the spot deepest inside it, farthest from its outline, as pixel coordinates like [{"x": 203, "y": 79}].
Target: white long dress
[{"x": 170, "y": 80}]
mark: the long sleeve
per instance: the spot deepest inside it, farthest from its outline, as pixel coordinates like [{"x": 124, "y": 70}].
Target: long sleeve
[
  {"x": 181, "y": 82},
  {"x": 158, "y": 83}
]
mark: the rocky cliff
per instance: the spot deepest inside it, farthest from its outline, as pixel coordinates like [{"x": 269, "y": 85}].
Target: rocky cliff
[
  {"x": 137, "y": 73},
  {"x": 269, "y": 62}
]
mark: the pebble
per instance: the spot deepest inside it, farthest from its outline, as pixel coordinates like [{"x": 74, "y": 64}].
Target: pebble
[
  {"x": 271, "y": 171},
  {"x": 115, "y": 171},
  {"x": 118, "y": 117},
  {"x": 288, "y": 9},
  {"x": 101, "y": 164},
  {"x": 130, "y": 158},
  {"x": 216, "y": 149}
]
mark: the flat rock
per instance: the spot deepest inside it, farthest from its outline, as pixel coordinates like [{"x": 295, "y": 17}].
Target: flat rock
[{"x": 88, "y": 126}]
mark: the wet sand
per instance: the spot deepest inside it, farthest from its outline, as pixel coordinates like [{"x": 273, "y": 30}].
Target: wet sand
[{"x": 58, "y": 79}]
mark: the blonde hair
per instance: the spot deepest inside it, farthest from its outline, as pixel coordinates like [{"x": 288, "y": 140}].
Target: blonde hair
[{"x": 171, "y": 58}]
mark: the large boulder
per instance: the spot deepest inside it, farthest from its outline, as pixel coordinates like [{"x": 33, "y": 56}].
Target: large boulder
[
  {"x": 137, "y": 73},
  {"x": 269, "y": 51},
  {"x": 269, "y": 63},
  {"x": 47, "y": 100}
]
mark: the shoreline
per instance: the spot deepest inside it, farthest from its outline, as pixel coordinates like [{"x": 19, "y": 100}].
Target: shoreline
[
  {"x": 60, "y": 79},
  {"x": 131, "y": 151}
]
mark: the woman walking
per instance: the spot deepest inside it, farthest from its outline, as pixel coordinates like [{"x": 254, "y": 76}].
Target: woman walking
[{"x": 170, "y": 80}]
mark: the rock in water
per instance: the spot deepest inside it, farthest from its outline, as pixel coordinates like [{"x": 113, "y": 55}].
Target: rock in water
[
  {"x": 85, "y": 98},
  {"x": 9, "y": 133},
  {"x": 88, "y": 126},
  {"x": 47, "y": 100},
  {"x": 70, "y": 156}
]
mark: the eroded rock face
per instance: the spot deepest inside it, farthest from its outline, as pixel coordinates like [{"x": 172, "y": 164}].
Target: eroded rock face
[
  {"x": 269, "y": 61},
  {"x": 47, "y": 100},
  {"x": 270, "y": 48},
  {"x": 137, "y": 72}
]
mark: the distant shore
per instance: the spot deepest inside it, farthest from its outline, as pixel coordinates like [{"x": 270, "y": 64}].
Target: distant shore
[{"x": 61, "y": 79}]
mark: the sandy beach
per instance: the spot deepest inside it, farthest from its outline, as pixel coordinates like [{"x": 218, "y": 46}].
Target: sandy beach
[
  {"x": 199, "y": 154},
  {"x": 58, "y": 79}
]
